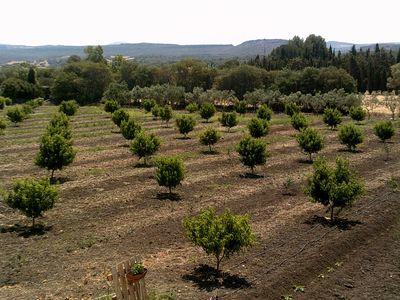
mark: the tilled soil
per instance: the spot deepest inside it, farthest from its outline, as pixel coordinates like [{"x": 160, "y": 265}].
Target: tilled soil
[{"x": 111, "y": 209}]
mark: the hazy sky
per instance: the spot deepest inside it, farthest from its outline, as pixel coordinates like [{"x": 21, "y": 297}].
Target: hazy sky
[{"x": 82, "y": 22}]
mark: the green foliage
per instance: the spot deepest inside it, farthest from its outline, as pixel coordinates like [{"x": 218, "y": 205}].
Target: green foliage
[
  {"x": 169, "y": 172},
  {"x": 209, "y": 137},
  {"x": 384, "y": 130},
  {"x": 192, "y": 107},
  {"x": 32, "y": 197},
  {"x": 310, "y": 141},
  {"x": 148, "y": 104},
  {"x": 69, "y": 107},
  {"x": 59, "y": 124},
  {"x": 185, "y": 124},
  {"x": 219, "y": 235},
  {"x": 258, "y": 127},
  {"x": 27, "y": 109},
  {"x": 357, "y": 113},
  {"x": 156, "y": 111},
  {"x": 299, "y": 121},
  {"x": 351, "y": 136},
  {"x": 130, "y": 128},
  {"x": 118, "y": 92},
  {"x": 55, "y": 152},
  {"x": 264, "y": 112},
  {"x": 3, "y": 124},
  {"x": 17, "y": 89},
  {"x": 166, "y": 113},
  {"x": 111, "y": 106},
  {"x": 207, "y": 110},
  {"x": 4, "y": 102},
  {"x": 333, "y": 187},
  {"x": 291, "y": 108},
  {"x": 332, "y": 117},
  {"x": 229, "y": 120},
  {"x": 15, "y": 114},
  {"x": 119, "y": 115},
  {"x": 252, "y": 152},
  {"x": 240, "y": 107},
  {"x": 145, "y": 145},
  {"x": 137, "y": 268}
]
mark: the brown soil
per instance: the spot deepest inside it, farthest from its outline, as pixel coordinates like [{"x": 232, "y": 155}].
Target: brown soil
[{"x": 111, "y": 209}]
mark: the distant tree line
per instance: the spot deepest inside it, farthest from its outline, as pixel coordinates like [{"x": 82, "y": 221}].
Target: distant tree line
[{"x": 370, "y": 69}]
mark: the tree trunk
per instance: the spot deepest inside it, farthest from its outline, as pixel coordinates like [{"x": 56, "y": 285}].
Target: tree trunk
[
  {"x": 218, "y": 263},
  {"x": 310, "y": 155},
  {"x": 209, "y": 146},
  {"x": 332, "y": 214},
  {"x": 52, "y": 175},
  {"x": 170, "y": 190},
  {"x": 33, "y": 222}
]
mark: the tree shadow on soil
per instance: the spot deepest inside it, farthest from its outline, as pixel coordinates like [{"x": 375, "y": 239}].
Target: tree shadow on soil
[
  {"x": 169, "y": 196},
  {"x": 123, "y": 145},
  {"x": 305, "y": 161},
  {"x": 341, "y": 223},
  {"x": 142, "y": 165},
  {"x": 208, "y": 152},
  {"x": 206, "y": 278},
  {"x": 26, "y": 231},
  {"x": 251, "y": 176},
  {"x": 350, "y": 150},
  {"x": 183, "y": 138},
  {"x": 60, "y": 179}
]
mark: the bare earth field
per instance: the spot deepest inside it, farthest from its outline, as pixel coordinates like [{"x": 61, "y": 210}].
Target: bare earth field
[{"x": 111, "y": 208}]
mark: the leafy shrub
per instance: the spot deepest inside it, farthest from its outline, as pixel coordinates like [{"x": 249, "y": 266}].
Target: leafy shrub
[
  {"x": 357, "y": 113},
  {"x": 130, "y": 128},
  {"x": 351, "y": 136},
  {"x": 3, "y": 124},
  {"x": 332, "y": 117},
  {"x": 310, "y": 141},
  {"x": 192, "y": 107},
  {"x": 32, "y": 197},
  {"x": 185, "y": 124},
  {"x": 145, "y": 145},
  {"x": 111, "y": 106},
  {"x": 4, "y": 102},
  {"x": 59, "y": 124},
  {"x": 55, "y": 152},
  {"x": 166, "y": 113},
  {"x": 229, "y": 120},
  {"x": 119, "y": 115},
  {"x": 27, "y": 109},
  {"x": 148, "y": 104},
  {"x": 137, "y": 268},
  {"x": 252, "y": 152},
  {"x": 69, "y": 107},
  {"x": 333, "y": 187},
  {"x": 240, "y": 107},
  {"x": 169, "y": 172},
  {"x": 291, "y": 108},
  {"x": 219, "y": 235},
  {"x": 15, "y": 114},
  {"x": 384, "y": 130},
  {"x": 258, "y": 127},
  {"x": 264, "y": 112},
  {"x": 209, "y": 137},
  {"x": 156, "y": 111},
  {"x": 207, "y": 110},
  {"x": 118, "y": 92},
  {"x": 299, "y": 121}
]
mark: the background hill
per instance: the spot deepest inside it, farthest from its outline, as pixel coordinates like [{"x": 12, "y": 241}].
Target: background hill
[{"x": 156, "y": 53}]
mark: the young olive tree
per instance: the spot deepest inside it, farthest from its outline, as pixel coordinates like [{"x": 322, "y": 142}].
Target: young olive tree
[
  {"x": 166, "y": 113},
  {"x": 357, "y": 113},
  {"x": 169, "y": 172},
  {"x": 264, "y": 113},
  {"x": 148, "y": 105},
  {"x": 384, "y": 130},
  {"x": 332, "y": 117},
  {"x": 130, "y": 128},
  {"x": 55, "y": 152},
  {"x": 220, "y": 235},
  {"x": 258, "y": 127},
  {"x": 145, "y": 145},
  {"x": 351, "y": 136},
  {"x": 299, "y": 121},
  {"x": 16, "y": 114},
  {"x": 192, "y": 107},
  {"x": 120, "y": 115},
  {"x": 229, "y": 120},
  {"x": 111, "y": 106},
  {"x": 185, "y": 124},
  {"x": 252, "y": 152},
  {"x": 32, "y": 197},
  {"x": 333, "y": 186},
  {"x": 209, "y": 137},
  {"x": 310, "y": 141},
  {"x": 392, "y": 102},
  {"x": 69, "y": 107},
  {"x": 59, "y": 124},
  {"x": 240, "y": 107},
  {"x": 156, "y": 111},
  {"x": 291, "y": 108},
  {"x": 207, "y": 110},
  {"x": 370, "y": 103}
]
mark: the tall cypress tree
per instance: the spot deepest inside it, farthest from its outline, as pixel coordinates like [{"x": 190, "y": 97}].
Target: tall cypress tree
[{"x": 31, "y": 76}]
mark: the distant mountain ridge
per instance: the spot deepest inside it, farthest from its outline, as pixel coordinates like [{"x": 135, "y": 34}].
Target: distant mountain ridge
[{"x": 156, "y": 52}]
